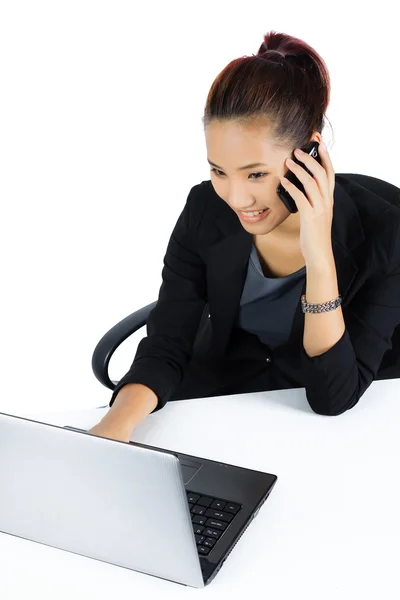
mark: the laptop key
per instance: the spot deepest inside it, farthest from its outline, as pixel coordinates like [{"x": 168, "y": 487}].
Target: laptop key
[
  {"x": 199, "y": 519},
  {"x": 199, "y": 539},
  {"x": 203, "y": 550},
  {"x": 197, "y": 528},
  {"x": 232, "y": 508},
  {"x": 205, "y": 501},
  {"x": 218, "y": 505},
  {"x": 190, "y": 506},
  {"x": 192, "y": 497},
  {"x": 209, "y": 542},
  {"x": 217, "y": 524},
  {"x": 199, "y": 510},
  {"x": 212, "y": 533},
  {"x": 221, "y": 516}
]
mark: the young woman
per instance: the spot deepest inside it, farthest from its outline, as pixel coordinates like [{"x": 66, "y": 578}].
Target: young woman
[{"x": 255, "y": 297}]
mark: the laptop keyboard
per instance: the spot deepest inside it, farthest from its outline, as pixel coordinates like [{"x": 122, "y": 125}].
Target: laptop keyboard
[{"x": 210, "y": 518}]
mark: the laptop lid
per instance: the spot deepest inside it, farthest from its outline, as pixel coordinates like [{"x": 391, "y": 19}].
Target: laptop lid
[{"x": 101, "y": 498}]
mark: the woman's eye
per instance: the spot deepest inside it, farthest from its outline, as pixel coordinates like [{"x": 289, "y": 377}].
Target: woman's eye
[{"x": 217, "y": 171}]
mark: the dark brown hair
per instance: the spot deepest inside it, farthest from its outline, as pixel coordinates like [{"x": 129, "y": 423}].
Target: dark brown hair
[{"x": 286, "y": 85}]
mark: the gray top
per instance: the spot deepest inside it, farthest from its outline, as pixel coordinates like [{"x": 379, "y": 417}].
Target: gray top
[{"x": 268, "y": 304}]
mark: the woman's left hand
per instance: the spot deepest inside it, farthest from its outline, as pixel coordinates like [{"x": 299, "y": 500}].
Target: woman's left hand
[{"x": 316, "y": 210}]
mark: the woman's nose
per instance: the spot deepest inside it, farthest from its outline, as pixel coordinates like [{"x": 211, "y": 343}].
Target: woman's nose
[{"x": 240, "y": 205}]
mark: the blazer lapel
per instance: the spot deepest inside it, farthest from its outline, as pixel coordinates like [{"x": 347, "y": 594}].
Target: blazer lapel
[{"x": 227, "y": 262}]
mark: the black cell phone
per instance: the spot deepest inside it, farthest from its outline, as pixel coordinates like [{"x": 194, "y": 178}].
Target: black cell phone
[{"x": 284, "y": 195}]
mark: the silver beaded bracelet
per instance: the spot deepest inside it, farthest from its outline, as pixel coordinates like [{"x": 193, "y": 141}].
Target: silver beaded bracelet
[{"x": 320, "y": 308}]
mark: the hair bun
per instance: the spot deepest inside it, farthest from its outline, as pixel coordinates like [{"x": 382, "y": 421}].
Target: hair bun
[
  {"x": 274, "y": 56},
  {"x": 272, "y": 51},
  {"x": 286, "y": 49}
]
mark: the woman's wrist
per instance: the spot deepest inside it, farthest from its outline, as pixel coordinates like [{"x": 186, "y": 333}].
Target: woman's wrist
[{"x": 131, "y": 405}]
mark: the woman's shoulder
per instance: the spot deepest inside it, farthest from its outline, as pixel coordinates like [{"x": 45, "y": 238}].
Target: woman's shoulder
[
  {"x": 372, "y": 196},
  {"x": 376, "y": 207}
]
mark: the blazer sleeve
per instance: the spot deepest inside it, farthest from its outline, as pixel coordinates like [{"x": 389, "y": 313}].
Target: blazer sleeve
[
  {"x": 172, "y": 325},
  {"x": 336, "y": 379}
]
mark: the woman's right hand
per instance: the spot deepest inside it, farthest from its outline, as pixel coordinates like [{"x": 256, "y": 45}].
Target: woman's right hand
[{"x": 114, "y": 432}]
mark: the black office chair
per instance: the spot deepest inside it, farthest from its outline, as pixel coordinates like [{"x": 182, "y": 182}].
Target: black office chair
[{"x": 390, "y": 365}]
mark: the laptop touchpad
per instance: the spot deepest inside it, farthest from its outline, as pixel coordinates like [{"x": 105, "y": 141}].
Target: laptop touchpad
[{"x": 189, "y": 468}]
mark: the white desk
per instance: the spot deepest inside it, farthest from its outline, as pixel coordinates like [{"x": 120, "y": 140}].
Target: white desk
[{"x": 330, "y": 528}]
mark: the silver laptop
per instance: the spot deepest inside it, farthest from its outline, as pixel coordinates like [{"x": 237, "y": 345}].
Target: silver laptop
[{"x": 155, "y": 511}]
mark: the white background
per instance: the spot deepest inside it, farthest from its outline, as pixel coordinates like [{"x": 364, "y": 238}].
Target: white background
[{"x": 101, "y": 141}]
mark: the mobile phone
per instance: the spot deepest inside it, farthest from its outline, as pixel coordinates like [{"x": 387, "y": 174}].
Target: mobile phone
[{"x": 284, "y": 195}]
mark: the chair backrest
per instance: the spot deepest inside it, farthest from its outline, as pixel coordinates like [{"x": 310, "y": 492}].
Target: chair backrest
[{"x": 390, "y": 193}]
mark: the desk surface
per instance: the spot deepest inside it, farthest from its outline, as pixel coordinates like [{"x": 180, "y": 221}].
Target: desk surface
[{"x": 330, "y": 528}]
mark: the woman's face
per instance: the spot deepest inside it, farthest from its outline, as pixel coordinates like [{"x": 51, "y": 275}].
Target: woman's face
[{"x": 231, "y": 146}]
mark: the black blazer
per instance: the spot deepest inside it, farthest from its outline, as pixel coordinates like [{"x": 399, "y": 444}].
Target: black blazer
[{"x": 204, "y": 272}]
